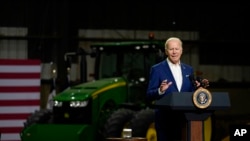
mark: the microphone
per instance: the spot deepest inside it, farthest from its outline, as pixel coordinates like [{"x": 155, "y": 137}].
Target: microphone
[{"x": 199, "y": 79}]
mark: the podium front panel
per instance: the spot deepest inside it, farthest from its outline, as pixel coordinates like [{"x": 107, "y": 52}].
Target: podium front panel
[{"x": 184, "y": 101}]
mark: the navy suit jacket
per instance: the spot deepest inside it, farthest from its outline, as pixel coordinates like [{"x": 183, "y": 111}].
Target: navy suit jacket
[{"x": 158, "y": 73}]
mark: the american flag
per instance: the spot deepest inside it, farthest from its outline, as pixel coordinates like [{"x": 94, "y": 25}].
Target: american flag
[{"x": 19, "y": 95}]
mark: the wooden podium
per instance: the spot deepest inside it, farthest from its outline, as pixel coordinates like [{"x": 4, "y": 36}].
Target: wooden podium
[{"x": 183, "y": 102}]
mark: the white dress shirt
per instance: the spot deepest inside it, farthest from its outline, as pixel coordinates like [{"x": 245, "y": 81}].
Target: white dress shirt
[{"x": 176, "y": 71}]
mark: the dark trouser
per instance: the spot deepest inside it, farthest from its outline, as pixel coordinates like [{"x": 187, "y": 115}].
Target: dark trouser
[
  {"x": 173, "y": 135},
  {"x": 170, "y": 126}
]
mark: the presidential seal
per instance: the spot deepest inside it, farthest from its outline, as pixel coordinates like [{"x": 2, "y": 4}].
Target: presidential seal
[{"x": 202, "y": 98}]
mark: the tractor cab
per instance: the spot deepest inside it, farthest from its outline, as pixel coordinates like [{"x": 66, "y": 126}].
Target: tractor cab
[{"x": 130, "y": 60}]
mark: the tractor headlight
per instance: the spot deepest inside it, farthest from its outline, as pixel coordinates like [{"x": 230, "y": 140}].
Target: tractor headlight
[
  {"x": 78, "y": 103},
  {"x": 57, "y": 103}
]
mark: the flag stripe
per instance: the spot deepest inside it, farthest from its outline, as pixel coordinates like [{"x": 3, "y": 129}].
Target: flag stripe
[
  {"x": 20, "y": 96},
  {"x": 18, "y": 109},
  {"x": 11, "y": 137},
  {"x": 11, "y": 129},
  {"x": 19, "y": 102},
  {"x": 19, "y": 62},
  {"x": 20, "y": 89},
  {"x": 19, "y": 82},
  {"x": 19, "y": 75},
  {"x": 11, "y": 123},
  {"x": 14, "y": 116},
  {"x": 20, "y": 69}
]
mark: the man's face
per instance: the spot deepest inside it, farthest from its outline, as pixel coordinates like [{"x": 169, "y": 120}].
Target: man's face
[{"x": 174, "y": 51}]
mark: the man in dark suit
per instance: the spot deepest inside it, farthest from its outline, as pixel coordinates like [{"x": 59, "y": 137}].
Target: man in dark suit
[{"x": 170, "y": 75}]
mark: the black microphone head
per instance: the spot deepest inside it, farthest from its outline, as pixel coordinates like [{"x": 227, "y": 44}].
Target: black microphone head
[{"x": 199, "y": 79}]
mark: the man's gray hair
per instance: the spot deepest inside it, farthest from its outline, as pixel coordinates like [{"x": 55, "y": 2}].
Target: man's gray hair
[{"x": 171, "y": 39}]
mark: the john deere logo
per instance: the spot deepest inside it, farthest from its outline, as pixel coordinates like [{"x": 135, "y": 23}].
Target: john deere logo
[{"x": 202, "y": 98}]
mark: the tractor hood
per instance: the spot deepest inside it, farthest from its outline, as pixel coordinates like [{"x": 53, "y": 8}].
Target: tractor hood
[{"x": 90, "y": 89}]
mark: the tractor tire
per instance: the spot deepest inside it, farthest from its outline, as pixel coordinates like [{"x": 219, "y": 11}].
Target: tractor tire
[
  {"x": 39, "y": 116},
  {"x": 117, "y": 121},
  {"x": 143, "y": 125}
]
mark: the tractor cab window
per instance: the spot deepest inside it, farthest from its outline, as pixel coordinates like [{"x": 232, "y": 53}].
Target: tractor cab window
[
  {"x": 108, "y": 63},
  {"x": 130, "y": 64}
]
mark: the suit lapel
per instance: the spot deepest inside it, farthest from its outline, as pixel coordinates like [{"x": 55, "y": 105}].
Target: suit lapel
[{"x": 183, "y": 77}]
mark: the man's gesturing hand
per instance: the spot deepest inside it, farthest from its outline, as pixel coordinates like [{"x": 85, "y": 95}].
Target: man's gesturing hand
[{"x": 164, "y": 85}]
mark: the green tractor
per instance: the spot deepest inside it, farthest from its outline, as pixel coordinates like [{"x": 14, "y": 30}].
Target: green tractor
[{"x": 100, "y": 109}]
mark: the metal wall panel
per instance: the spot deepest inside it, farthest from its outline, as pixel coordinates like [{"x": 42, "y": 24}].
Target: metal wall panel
[{"x": 13, "y": 48}]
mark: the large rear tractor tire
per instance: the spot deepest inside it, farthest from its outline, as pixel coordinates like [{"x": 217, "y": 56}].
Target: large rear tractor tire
[
  {"x": 143, "y": 125},
  {"x": 118, "y": 120}
]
